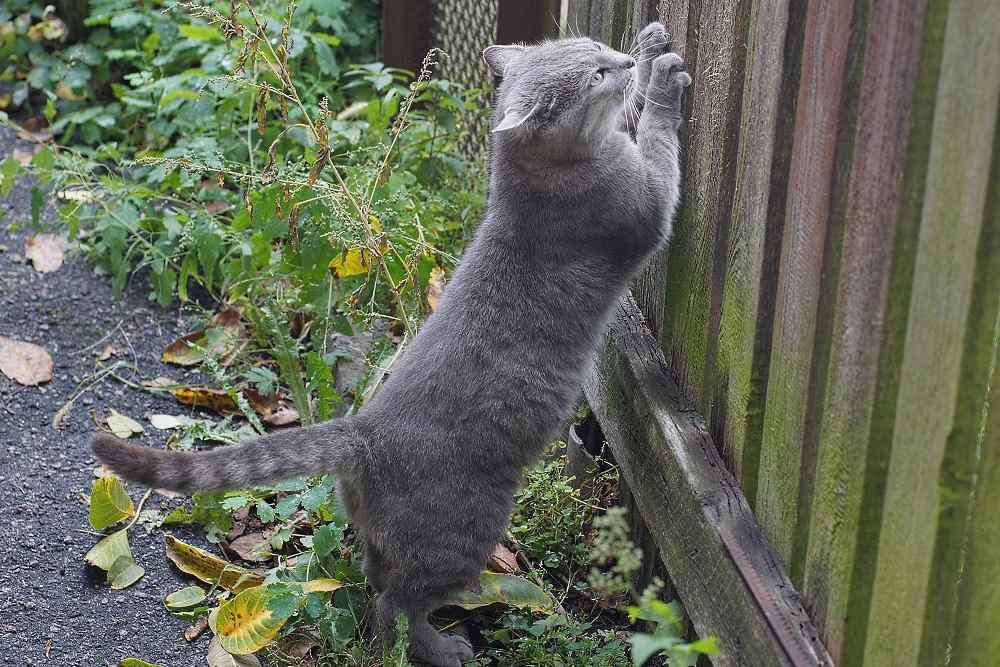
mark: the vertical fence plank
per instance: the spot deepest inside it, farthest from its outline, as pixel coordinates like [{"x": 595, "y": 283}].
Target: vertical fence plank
[
  {"x": 772, "y": 74},
  {"x": 805, "y": 234},
  {"x": 966, "y": 570},
  {"x": 526, "y": 20},
  {"x": 695, "y": 271},
  {"x": 874, "y": 190},
  {"x": 918, "y": 497}
]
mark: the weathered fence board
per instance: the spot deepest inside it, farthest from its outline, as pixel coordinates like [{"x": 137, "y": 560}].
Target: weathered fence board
[
  {"x": 971, "y": 602},
  {"x": 731, "y": 582},
  {"x": 918, "y": 490},
  {"x": 874, "y": 189},
  {"x": 787, "y": 457},
  {"x": 768, "y": 112},
  {"x": 694, "y": 280}
]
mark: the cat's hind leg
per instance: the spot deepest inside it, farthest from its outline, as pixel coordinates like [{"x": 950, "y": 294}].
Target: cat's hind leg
[{"x": 426, "y": 643}]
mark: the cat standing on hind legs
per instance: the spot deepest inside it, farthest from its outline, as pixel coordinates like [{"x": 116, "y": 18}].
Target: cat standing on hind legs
[{"x": 428, "y": 467}]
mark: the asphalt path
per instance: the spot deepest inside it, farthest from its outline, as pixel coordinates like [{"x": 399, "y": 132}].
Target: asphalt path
[{"x": 54, "y": 608}]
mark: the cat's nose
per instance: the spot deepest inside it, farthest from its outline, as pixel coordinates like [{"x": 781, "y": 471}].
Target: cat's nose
[{"x": 629, "y": 63}]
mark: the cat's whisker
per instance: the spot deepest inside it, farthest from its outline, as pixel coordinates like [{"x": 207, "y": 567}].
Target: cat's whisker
[{"x": 645, "y": 97}]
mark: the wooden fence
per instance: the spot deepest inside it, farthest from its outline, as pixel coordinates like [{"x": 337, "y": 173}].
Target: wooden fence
[{"x": 799, "y": 394}]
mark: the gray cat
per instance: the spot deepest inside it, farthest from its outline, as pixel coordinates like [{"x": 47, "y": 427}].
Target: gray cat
[{"x": 428, "y": 467}]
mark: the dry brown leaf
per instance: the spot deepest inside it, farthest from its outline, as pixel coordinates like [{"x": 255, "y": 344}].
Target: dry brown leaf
[
  {"x": 503, "y": 560},
  {"x": 45, "y": 251},
  {"x": 194, "y": 631},
  {"x": 109, "y": 351},
  {"x": 253, "y": 547},
  {"x": 271, "y": 409},
  {"x": 25, "y": 363},
  {"x": 435, "y": 287},
  {"x": 227, "y": 345}
]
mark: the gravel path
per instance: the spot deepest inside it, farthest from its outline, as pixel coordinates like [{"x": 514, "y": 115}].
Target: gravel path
[{"x": 54, "y": 609}]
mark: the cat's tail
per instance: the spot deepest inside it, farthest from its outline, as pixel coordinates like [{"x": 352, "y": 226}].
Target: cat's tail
[{"x": 329, "y": 447}]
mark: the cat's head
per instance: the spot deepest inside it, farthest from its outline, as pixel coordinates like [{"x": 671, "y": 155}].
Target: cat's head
[{"x": 566, "y": 92}]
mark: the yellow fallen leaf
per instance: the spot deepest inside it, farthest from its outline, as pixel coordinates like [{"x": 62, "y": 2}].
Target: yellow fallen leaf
[
  {"x": 123, "y": 426},
  {"x": 25, "y": 363},
  {"x": 45, "y": 251},
  {"x": 208, "y": 568},
  {"x": 109, "y": 503}
]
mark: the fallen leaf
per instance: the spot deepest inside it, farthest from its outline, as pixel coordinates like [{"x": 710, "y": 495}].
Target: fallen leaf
[
  {"x": 219, "y": 657},
  {"x": 185, "y": 598},
  {"x": 195, "y": 630},
  {"x": 254, "y": 547},
  {"x": 109, "y": 503},
  {"x": 503, "y": 560},
  {"x": 25, "y": 363},
  {"x": 123, "y": 426},
  {"x": 160, "y": 383},
  {"x": 271, "y": 409},
  {"x": 50, "y": 28},
  {"x": 247, "y": 623},
  {"x": 45, "y": 251},
  {"x": 112, "y": 554},
  {"x": 435, "y": 287},
  {"x": 282, "y": 416},
  {"x": 208, "y": 568},
  {"x": 124, "y": 572},
  {"x": 136, "y": 662},
  {"x": 110, "y": 350},
  {"x": 226, "y": 344},
  {"x": 108, "y": 550},
  {"x": 167, "y": 422},
  {"x": 506, "y": 589}
]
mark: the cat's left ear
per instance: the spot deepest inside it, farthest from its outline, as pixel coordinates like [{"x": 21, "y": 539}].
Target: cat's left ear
[
  {"x": 513, "y": 118},
  {"x": 499, "y": 56}
]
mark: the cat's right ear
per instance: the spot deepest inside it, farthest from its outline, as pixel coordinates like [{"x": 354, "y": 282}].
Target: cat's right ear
[{"x": 499, "y": 56}]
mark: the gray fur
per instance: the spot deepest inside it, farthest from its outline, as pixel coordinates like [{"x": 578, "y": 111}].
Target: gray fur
[{"x": 428, "y": 467}]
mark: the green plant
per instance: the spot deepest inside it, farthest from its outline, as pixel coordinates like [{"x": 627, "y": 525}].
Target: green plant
[
  {"x": 551, "y": 515},
  {"x": 559, "y": 640},
  {"x": 616, "y": 561}
]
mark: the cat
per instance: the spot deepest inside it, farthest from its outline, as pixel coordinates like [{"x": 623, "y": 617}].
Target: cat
[{"x": 581, "y": 193}]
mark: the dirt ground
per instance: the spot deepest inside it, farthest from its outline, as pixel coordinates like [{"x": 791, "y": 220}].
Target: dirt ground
[{"x": 55, "y": 609}]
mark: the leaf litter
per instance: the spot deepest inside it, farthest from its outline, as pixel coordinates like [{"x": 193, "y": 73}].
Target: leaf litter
[{"x": 25, "y": 363}]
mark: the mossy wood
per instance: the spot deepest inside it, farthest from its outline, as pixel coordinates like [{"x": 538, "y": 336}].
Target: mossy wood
[{"x": 730, "y": 579}]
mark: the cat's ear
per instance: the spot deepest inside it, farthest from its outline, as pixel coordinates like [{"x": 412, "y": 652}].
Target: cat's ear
[
  {"x": 513, "y": 118},
  {"x": 499, "y": 56}
]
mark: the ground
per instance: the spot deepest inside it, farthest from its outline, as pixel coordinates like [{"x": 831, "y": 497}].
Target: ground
[{"x": 56, "y": 610}]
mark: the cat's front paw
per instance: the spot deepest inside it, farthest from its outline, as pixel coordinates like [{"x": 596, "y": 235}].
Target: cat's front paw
[
  {"x": 652, "y": 41},
  {"x": 670, "y": 72}
]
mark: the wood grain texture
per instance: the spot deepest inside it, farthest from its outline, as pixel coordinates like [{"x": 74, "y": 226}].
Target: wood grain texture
[
  {"x": 931, "y": 374},
  {"x": 695, "y": 271},
  {"x": 726, "y": 573},
  {"x": 874, "y": 188},
  {"x": 963, "y": 612},
  {"x": 755, "y": 235},
  {"x": 785, "y": 450}
]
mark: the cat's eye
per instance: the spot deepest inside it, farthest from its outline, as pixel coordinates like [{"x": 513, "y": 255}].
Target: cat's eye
[{"x": 597, "y": 78}]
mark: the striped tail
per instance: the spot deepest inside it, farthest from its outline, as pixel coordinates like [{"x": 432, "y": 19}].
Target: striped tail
[{"x": 330, "y": 447}]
